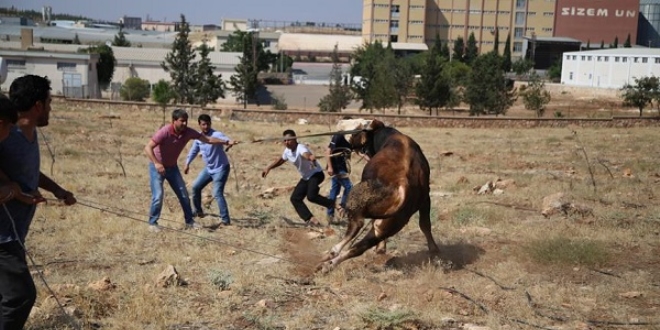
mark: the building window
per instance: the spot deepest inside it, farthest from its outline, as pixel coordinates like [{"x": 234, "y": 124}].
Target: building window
[
  {"x": 395, "y": 11},
  {"x": 548, "y": 13},
  {"x": 518, "y": 32},
  {"x": 645, "y": 59},
  {"x": 606, "y": 58},
  {"x": 599, "y": 59},
  {"x": 582, "y": 58},
  {"x": 657, "y": 60},
  {"x": 520, "y": 4},
  {"x": 568, "y": 57},
  {"x": 574, "y": 57},
  {"x": 547, "y": 29},
  {"x": 394, "y": 24},
  {"x": 15, "y": 63},
  {"x": 636, "y": 59},
  {"x": 531, "y": 13},
  {"x": 570, "y": 76},
  {"x": 520, "y": 18},
  {"x": 64, "y": 66},
  {"x": 588, "y": 58},
  {"x": 624, "y": 59},
  {"x": 517, "y": 46},
  {"x": 616, "y": 59}
]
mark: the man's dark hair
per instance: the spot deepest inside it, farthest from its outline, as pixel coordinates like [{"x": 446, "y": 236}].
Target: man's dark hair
[
  {"x": 7, "y": 110},
  {"x": 289, "y": 132},
  {"x": 204, "y": 118},
  {"x": 27, "y": 90},
  {"x": 178, "y": 114}
]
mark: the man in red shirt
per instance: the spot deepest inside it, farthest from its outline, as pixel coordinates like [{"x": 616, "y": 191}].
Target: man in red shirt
[{"x": 163, "y": 150}]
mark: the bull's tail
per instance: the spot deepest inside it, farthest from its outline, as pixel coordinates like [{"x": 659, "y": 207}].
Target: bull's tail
[{"x": 366, "y": 193}]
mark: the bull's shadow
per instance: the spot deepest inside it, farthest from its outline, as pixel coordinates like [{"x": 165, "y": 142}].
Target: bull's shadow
[{"x": 460, "y": 254}]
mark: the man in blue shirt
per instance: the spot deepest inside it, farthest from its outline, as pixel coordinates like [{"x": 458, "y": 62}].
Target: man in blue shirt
[
  {"x": 20, "y": 162},
  {"x": 216, "y": 170}
]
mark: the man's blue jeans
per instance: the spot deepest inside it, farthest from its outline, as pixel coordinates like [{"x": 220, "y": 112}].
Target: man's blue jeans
[
  {"x": 339, "y": 180},
  {"x": 174, "y": 178},
  {"x": 219, "y": 180}
]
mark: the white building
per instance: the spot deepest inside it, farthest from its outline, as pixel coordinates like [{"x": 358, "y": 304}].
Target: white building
[
  {"x": 144, "y": 63},
  {"x": 609, "y": 68},
  {"x": 70, "y": 74}
]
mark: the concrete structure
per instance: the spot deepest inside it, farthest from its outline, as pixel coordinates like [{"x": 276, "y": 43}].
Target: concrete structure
[
  {"x": 648, "y": 30},
  {"x": 160, "y": 26},
  {"x": 71, "y": 74},
  {"x": 233, "y": 24},
  {"x": 418, "y": 21},
  {"x": 131, "y": 23},
  {"x": 596, "y": 21},
  {"x": 12, "y": 20},
  {"x": 609, "y": 68}
]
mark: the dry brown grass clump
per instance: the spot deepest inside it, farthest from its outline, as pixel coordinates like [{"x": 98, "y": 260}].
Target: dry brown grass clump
[{"x": 567, "y": 270}]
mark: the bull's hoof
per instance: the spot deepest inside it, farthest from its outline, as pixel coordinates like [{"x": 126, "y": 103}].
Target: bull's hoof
[
  {"x": 328, "y": 256},
  {"x": 324, "y": 267},
  {"x": 381, "y": 251},
  {"x": 446, "y": 265}
]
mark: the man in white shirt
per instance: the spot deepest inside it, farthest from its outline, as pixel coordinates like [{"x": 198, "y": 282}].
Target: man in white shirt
[{"x": 311, "y": 177}]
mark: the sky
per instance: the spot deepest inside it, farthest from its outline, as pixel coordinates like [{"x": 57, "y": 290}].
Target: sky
[{"x": 205, "y": 11}]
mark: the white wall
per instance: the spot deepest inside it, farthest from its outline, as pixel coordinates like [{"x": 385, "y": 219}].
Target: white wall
[
  {"x": 48, "y": 67},
  {"x": 607, "y": 70}
]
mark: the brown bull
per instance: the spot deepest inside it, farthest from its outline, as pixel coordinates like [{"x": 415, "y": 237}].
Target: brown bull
[{"x": 394, "y": 185}]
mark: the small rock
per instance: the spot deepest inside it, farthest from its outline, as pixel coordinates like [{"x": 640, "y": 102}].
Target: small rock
[
  {"x": 631, "y": 294},
  {"x": 265, "y": 303},
  {"x": 102, "y": 285},
  {"x": 381, "y": 296},
  {"x": 169, "y": 277}
]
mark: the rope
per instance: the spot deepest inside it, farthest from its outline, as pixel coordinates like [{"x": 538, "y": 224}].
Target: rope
[
  {"x": 189, "y": 234},
  {"x": 306, "y": 136}
]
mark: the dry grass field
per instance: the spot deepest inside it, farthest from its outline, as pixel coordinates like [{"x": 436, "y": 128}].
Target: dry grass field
[{"x": 593, "y": 265}]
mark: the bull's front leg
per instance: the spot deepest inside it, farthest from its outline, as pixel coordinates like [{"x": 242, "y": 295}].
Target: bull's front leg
[{"x": 354, "y": 226}]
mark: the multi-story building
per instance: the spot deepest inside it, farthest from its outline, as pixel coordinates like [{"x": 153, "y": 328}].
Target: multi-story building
[
  {"x": 420, "y": 21},
  {"x": 131, "y": 23}
]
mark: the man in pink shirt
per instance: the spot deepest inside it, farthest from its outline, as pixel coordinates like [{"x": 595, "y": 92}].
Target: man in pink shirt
[{"x": 163, "y": 150}]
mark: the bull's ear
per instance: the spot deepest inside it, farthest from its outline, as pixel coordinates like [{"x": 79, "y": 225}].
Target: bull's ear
[{"x": 375, "y": 124}]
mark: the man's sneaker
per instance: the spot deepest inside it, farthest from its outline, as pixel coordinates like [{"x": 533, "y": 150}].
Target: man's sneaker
[
  {"x": 154, "y": 228},
  {"x": 194, "y": 226},
  {"x": 199, "y": 214},
  {"x": 313, "y": 223}
]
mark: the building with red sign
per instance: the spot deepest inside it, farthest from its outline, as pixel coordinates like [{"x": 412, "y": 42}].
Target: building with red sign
[{"x": 597, "y": 21}]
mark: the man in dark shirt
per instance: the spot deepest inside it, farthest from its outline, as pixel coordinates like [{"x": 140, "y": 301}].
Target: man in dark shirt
[{"x": 337, "y": 152}]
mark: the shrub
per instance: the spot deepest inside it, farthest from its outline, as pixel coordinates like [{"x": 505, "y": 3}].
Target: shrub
[
  {"x": 134, "y": 89},
  {"x": 562, "y": 250},
  {"x": 279, "y": 102}
]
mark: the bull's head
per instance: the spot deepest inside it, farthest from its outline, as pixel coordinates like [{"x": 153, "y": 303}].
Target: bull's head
[{"x": 361, "y": 141}]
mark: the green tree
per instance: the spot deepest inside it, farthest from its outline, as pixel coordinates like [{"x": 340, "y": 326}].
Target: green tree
[
  {"x": 179, "y": 63},
  {"x": 163, "y": 95},
  {"x": 76, "y": 40},
  {"x": 496, "y": 42},
  {"x": 641, "y": 93},
  {"x": 433, "y": 88},
  {"x": 626, "y": 44},
  {"x": 403, "y": 81},
  {"x": 616, "y": 42},
  {"x": 506, "y": 54},
  {"x": 588, "y": 44},
  {"x": 488, "y": 91},
  {"x": 105, "y": 67},
  {"x": 339, "y": 95},
  {"x": 444, "y": 51},
  {"x": 120, "y": 39},
  {"x": 522, "y": 66},
  {"x": 459, "y": 50},
  {"x": 134, "y": 89},
  {"x": 535, "y": 97},
  {"x": 554, "y": 71},
  {"x": 471, "y": 50},
  {"x": 602, "y": 44},
  {"x": 245, "y": 83},
  {"x": 242, "y": 41},
  {"x": 208, "y": 86},
  {"x": 370, "y": 84}
]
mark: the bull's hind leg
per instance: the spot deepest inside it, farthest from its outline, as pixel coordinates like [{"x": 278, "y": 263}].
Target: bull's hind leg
[{"x": 425, "y": 224}]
